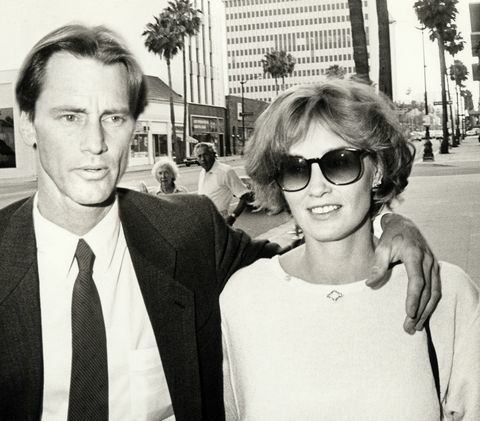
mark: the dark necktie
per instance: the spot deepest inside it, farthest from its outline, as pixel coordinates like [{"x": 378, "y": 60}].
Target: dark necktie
[{"x": 89, "y": 378}]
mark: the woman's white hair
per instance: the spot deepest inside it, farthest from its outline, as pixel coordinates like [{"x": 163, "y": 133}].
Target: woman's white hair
[{"x": 165, "y": 161}]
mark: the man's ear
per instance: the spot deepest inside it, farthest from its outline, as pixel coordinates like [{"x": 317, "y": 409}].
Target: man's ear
[{"x": 27, "y": 129}]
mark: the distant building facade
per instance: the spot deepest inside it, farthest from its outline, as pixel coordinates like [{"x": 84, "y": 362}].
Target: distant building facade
[
  {"x": 240, "y": 128},
  {"x": 316, "y": 32},
  {"x": 152, "y": 137}
]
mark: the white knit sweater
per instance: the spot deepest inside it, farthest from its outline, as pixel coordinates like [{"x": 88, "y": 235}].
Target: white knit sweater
[{"x": 293, "y": 352}]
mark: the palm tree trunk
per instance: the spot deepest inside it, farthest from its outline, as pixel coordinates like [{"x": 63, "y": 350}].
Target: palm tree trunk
[
  {"x": 172, "y": 114},
  {"x": 184, "y": 54},
  {"x": 452, "y": 124},
  {"x": 359, "y": 40},
  {"x": 457, "y": 117},
  {"x": 443, "y": 72},
  {"x": 385, "y": 68}
]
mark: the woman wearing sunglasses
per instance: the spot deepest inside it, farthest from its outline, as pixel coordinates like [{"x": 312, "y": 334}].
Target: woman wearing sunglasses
[{"x": 311, "y": 341}]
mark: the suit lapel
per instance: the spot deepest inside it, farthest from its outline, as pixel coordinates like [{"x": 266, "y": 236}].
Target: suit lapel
[
  {"x": 170, "y": 305},
  {"x": 20, "y": 310}
]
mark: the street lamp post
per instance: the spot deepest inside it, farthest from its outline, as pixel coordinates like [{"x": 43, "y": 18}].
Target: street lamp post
[{"x": 427, "y": 145}]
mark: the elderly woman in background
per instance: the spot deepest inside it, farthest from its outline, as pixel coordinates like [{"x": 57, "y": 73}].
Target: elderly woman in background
[
  {"x": 304, "y": 337},
  {"x": 165, "y": 172}
]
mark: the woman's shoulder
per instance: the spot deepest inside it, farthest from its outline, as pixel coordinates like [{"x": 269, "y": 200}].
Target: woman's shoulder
[
  {"x": 258, "y": 276},
  {"x": 457, "y": 285}
]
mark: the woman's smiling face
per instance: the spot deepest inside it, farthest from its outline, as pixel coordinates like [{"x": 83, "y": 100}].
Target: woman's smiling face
[{"x": 324, "y": 211}]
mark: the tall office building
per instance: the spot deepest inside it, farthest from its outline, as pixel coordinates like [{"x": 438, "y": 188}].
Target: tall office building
[
  {"x": 316, "y": 33},
  {"x": 205, "y": 56}
]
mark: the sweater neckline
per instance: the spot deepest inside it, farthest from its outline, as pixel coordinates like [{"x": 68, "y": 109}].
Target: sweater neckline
[{"x": 331, "y": 291}]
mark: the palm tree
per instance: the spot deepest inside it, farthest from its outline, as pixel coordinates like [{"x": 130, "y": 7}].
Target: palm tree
[
  {"x": 359, "y": 40},
  {"x": 188, "y": 21},
  {"x": 385, "y": 62},
  {"x": 453, "y": 44},
  {"x": 335, "y": 71},
  {"x": 163, "y": 38},
  {"x": 459, "y": 74},
  {"x": 438, "y": 15},
  {"x": 278, "y": 63}
]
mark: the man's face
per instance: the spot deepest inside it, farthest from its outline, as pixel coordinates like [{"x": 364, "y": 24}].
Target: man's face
[
  {"x": 205, "y": 157},
  {"x": 82, "y": 127}
]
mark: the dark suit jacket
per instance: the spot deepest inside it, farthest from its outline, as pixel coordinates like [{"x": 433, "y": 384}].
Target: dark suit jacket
[{"x": 183, "y": 253}]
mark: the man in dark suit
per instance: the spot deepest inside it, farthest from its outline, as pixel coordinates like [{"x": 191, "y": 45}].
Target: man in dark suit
[{"x": 108, "y": 297}]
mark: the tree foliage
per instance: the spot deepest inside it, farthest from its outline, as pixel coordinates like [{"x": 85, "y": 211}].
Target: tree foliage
[
  {"x": 162, "y": 37},
  {"x": 185, "y": 17},
  {"x": 458, "y": 73},
  {"x": 335, "y": 71},
  {"x": 453, "y": 40},
  {"x": 278, "y": 64}
]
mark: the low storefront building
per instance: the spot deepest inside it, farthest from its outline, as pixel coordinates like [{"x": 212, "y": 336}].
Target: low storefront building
[
  {"x": 207, "y": 124},
  {"x": 152, "y": 137},
  {"x": 240, "y": 127}
]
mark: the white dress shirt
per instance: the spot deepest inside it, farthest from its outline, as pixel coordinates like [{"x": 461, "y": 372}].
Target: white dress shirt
[
  {"x": 220, "y": 183},
  {"x": 137, "y": 385}
]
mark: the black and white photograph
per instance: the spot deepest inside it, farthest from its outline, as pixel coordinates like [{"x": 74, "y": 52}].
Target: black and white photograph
[{"x": 240, "y": 210}]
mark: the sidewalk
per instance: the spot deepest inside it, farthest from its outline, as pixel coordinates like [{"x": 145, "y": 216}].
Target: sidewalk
[{"x": 443, "y": 199}]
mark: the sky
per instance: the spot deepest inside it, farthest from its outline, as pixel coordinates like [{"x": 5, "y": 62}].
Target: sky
[
  {"x": 23, "y": 22},
  {"x": 409, "y": 58}
]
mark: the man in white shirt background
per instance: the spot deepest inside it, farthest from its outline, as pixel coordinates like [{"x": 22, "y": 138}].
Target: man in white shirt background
[
  {"x": 108, "y": 297},
  {"x": 220, "y": 183}
]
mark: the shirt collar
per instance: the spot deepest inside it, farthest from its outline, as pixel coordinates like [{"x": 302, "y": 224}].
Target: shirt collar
[
  {"x": 55, "y": 240},
  {"x": 214, "y": 168}
]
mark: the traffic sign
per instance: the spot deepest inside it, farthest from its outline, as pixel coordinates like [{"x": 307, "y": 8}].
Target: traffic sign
[
  {"x": 440, "y": 102},
  {"x": 246, "y": 114}
]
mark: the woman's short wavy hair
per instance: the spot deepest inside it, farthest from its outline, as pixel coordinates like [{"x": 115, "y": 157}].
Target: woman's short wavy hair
[
  {"x": 353, "y": 111},
  {"x": 166, "y": 162}
]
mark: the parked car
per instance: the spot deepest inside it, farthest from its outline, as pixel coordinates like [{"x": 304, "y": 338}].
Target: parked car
[
  {"x": 190, "y": 160},
  {"x": 416, "y": 135},
  {"x": 473, "y": 132}
]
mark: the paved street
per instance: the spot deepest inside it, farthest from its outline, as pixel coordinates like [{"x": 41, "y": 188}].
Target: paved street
[{"x": 443, "y": 198}]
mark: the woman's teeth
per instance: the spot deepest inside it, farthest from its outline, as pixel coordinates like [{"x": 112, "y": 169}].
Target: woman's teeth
[{"x": 324, "y": 209}]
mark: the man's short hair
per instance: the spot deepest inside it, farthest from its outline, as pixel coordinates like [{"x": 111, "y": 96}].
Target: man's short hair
[
  {"x": 96, "y": 42},
  {"x": 210, "y": 147}
]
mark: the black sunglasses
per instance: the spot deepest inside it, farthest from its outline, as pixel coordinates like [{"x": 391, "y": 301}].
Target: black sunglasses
[{"x": 340, "y": 167}]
